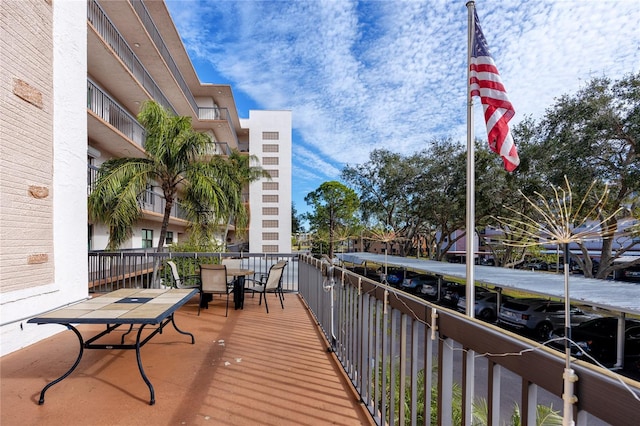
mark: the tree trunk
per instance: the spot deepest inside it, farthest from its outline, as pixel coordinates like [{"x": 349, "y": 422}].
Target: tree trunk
[
  {"x": 606, "y": 258},
  {"x": 163, "y": 235}
]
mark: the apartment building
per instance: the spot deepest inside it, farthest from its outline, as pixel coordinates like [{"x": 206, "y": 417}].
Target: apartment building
[
  {"x": 74, "y": 75},
  {"x": 270, "y": 199},
  {"x": 134, "y": 54}
]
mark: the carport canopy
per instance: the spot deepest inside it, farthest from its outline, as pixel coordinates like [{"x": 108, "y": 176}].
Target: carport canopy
[{"x": 616, "y": 296}]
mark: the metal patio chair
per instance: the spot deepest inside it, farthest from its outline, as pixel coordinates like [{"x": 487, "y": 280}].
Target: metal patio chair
[
  {"x": 188, "y": 281},
  {"x": 214, "y": 281},
  {"x": 271, "y": 283}
]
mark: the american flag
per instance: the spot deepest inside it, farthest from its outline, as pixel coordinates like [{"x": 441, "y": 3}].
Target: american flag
[{"x": 485, "y": 82}]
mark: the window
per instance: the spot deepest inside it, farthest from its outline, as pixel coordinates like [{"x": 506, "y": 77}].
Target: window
[
  {"x": 270, "y": 136},
  {"x": 270, "y": 161},
  {"x": 270, "y": 186},
  {"x": 270, "y": 147},
  {"x": 169, "y": 238},
  {"x": 270, "y": 236},
  {"x": 270, "y": 198},
  {"x": 270, "y": 248},
  {"x": 270, "y": 211},
  {"x": 90, "y": 236},
  {"x": 273, "y": 173},
  {"x": 147, "y": 238},
  {"x": 270, "y": 224}
]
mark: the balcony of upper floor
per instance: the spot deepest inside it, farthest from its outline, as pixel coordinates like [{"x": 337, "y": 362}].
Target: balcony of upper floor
[
  {"x": 114, "y": 130},
  {"x": 128, "y": 55}
]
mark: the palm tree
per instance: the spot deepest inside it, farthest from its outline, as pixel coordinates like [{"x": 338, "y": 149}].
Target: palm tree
[{"x": 177, "y": 158}]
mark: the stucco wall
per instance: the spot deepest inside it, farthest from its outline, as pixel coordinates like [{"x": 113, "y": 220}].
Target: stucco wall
[
  {"x": 43, "y": 236},
  {"x": 280, "y": 122}
]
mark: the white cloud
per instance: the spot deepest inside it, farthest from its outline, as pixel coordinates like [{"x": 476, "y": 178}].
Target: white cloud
[{"x": 365, "y": 75}]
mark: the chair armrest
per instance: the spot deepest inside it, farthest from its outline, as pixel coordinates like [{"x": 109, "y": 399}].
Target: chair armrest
[{"x": 253, "y": 280}]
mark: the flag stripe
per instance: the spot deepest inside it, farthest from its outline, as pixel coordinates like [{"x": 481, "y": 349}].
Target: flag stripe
[{"x": 485, "y": 83}]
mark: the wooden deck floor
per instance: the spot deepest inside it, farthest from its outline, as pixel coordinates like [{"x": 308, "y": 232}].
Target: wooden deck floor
[{"x": 250, "y": 368}]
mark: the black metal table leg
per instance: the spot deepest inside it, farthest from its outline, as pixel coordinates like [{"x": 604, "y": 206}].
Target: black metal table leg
[
  {"x": 75, "y": 364},
  {"x": 193, "y": 339},
  {"x": 238, "y": 292},
  {"x": 139, "y": 359}
]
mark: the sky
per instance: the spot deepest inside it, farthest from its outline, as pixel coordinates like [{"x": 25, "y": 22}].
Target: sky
[{"x": 365, "y": 75}]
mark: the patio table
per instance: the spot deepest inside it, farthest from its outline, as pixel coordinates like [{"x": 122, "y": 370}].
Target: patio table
[
  {"x": 238, "y": 285},
  {"x": 133, "y": 307}
]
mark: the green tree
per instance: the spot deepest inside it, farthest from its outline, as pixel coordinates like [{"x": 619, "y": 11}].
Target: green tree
[
  {"x": 176, "y": 158},
  {"x": 594, "y": 136},
  {"x": 439, "y": 194},
  {"x": 239, "y": 167},
  {"x": 334, "y": 205},
  {"x": 497, "y": 193},
  {"x": 296, "y": 225},
  {"x": 387, "y": 204}
]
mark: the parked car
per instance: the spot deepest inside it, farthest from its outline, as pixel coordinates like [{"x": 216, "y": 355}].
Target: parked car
[
  {"x": 534, "y": 264},
  {"x": 538, "y": 316},
  {"x": 597, "y": 339},
  {"x": 485, "y": 306},
  {"x": 575, "y": 268},
  {"x": 417, "y": 283},
  {"x": 452, "y": 292},
  {"x": 395, "y": 277}
]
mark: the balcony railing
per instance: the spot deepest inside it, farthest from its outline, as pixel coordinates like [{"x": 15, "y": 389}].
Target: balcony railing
[
  {"x": 151, "y": 28},
  {"x": 217, "y": 113},
  {"x": 203, "y": 112},
  {"x": 110, "y": 271},
  {"x": 109, "y": 110},
  {"x": 222, "y": 148},
  {"x": 154, "y": 202},
  {"x": 413, "y": 362},
  {"x": 92, "y": 177},
  {"x": 110, "y": 34}
]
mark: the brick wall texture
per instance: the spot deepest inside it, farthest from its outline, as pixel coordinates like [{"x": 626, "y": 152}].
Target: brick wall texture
[{"x": 26, "y": 144}]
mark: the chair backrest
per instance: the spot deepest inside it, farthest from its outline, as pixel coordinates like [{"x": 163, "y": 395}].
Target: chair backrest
[
  {"x": 174, "y": 273},
  {"x": 275, "y": 276},
  {"x": 213, "y": 278},
  {"x": 232, "y": 263}
]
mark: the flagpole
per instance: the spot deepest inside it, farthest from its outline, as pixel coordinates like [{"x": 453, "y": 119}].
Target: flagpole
[
  {"x": 470, "y": 226},
  {"x": 470, "y": 287}
]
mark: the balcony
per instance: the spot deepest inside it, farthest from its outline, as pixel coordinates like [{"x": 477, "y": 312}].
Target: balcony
[
  {"x": 251, "y": 368},
  {"x": 102, "y": 26},
  {"x": 112, "y": 58},
  {"x": 345, "y": 350},
  {"x": 105, "y": 116}
]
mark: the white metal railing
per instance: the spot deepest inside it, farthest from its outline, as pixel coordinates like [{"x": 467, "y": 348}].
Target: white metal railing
[
  {"x": 111, "y": 112},
  {"x": 413, "y": 362},
  {"x": 103, "y": 26}
]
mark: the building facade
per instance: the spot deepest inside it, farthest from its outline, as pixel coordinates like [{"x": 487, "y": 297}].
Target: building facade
[
  {"x": 136, "y": 54},
  {"x": 43, "y": 148},
  {"x": 270, "y": 198}
]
